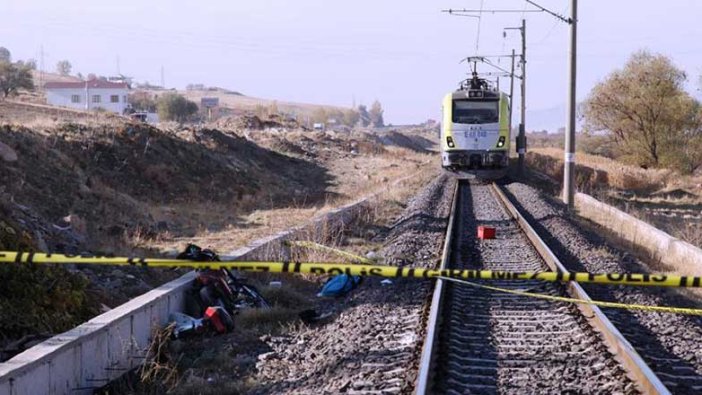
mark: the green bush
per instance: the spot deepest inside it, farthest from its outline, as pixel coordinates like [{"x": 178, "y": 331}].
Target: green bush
[
  {"x": 41, "y": 298},
  {"x": 174, "y": 107},
  {"x": 38, "y": 298}
]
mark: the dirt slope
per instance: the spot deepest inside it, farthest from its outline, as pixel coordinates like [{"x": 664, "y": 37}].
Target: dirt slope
[
  {"x": 102, "y": 184},
  {"x": 112, "y": 178}
]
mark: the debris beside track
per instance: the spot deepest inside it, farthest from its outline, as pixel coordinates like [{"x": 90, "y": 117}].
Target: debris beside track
[
  {"x": 373, "y": 335},
  {"x": 374, "y": 343}
]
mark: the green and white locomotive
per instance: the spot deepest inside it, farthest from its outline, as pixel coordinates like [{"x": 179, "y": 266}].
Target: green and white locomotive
[{"x": 475, "y": 132}]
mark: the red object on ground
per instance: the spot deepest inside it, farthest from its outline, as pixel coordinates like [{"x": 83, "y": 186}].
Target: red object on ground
[
  {"x": 486, "y": 232},
  {"x": 215, "y": 316}
]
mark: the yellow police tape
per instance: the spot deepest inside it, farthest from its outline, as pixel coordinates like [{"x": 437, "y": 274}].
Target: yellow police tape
[
  {"x": 664, "y": 280},
  {"x": 660, "y": 309},
  {"x": 320, "y": 247}
]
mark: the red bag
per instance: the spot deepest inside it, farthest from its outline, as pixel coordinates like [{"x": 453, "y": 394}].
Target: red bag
[{"x": 220, "y": 319}]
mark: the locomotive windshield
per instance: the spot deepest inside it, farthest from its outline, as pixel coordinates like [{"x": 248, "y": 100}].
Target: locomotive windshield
[{"x": 475, "y": 112}]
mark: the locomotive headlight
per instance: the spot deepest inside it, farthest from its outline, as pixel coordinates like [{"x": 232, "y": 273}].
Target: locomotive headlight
[
  {"x": 501, "y": 142},
  {"x": 449, "y": 142}
]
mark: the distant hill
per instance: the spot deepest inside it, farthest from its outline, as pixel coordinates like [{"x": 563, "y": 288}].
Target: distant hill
[
  {"x": 235, "y": 101},
  {"x": 51, "y": 77},
  {"x": 239, "y": 102}
]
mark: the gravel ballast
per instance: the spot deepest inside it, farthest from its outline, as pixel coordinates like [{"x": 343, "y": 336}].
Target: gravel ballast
[
  {"x": 671, "y": 344},
  {"x": 374, "y": 342},
  {"x": 492, "y": 342}
]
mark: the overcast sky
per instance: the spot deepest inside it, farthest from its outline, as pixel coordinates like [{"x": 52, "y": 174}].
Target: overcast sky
[{"x": 403, "y": 53}]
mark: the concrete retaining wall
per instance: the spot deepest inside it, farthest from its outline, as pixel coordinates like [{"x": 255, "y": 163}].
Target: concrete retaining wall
[
  {"x": 104, "y": 348},
  {"x": 681, "y": 257}
]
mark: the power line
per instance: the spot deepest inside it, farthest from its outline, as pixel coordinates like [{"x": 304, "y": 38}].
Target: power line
[
  {"x": 483, "y": 59},
  {"x": 521, "y": 138},
  {"x": 468, "y": 11}
]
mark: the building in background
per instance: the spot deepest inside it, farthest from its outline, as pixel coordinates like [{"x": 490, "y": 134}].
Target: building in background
[{"x": 88, "y": 95}]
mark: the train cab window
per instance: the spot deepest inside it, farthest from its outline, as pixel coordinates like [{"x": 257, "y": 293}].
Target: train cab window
[{"x": 475, "y": 112}]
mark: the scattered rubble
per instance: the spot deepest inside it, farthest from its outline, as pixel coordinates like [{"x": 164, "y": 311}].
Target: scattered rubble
[{"x": 253, "y": 122}]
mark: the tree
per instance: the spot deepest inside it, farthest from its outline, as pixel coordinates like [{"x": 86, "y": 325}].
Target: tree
[
  {"x": 644, "y": 107},
  {"x": 376, "y": 114},
  {"x": 63, "y": 67},
  {"x": 31, "y": 63},
  {"x": 685, "y": 152},
  {"x": 351, "y": 117},
  {"x": 142, "y": 101},
  {"x": 174, "y": 107},
  {"x": 363, "y": 115},
  {"x": 15, "y": 76},
  {"x": 320, "y": 115},
  {"x": 5, "y": 55}
]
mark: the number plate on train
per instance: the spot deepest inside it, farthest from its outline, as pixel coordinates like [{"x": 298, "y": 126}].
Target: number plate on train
[{"x": 475, "y": 133}]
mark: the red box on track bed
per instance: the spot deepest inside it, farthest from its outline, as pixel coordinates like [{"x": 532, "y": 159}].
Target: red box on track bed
[{"x": 486, "y": 232}]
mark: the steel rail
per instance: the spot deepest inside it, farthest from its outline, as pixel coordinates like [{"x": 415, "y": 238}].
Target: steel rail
[
  {"x": 426, "y": 370},
  {"x": 639, "y": 371}
]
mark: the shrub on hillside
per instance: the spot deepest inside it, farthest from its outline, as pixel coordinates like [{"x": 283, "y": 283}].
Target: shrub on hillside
[
  {"x": 142, "y": 101},
  {"x": 15, "y": 76},
  {"x": 597, "y": 145},
  {"x": 38, "y": 298},
  {"x": 174, "y": 107}
]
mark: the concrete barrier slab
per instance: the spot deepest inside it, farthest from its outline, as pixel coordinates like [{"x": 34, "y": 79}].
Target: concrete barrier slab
[{"x": 682, "y": 257}]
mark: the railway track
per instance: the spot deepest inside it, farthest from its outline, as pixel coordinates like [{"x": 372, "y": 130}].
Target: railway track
[
  {"x": 669, "y": 343},
  {"x": 484, "y": 341}
]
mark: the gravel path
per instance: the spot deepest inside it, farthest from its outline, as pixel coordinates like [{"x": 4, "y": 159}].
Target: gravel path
[
  {"x": 373, "y": 344},
  {"x": 492, "y": 342},
  {"x": 671, "y": 344}
]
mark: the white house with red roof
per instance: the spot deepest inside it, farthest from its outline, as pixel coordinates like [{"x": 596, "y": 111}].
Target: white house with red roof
[{"x": 88, "y": 95}]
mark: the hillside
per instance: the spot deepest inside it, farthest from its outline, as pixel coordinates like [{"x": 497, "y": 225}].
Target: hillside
[
  {"x": 232, "y": 102},
  {"x": 239, "y": 103},
  {"x": 77, "y": 182}
]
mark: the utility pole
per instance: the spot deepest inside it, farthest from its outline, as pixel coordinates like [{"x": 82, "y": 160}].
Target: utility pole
[
  {"x": 569, "y": 167},
  {"x": 521, "y": 138},
  {"x": 521, "y": 147},
  {"x": 41, "y": 67},
  {"x": 163, "y": 80},
  {"x": 511, "y": 91},
  {"x": 569, "y": 170}
]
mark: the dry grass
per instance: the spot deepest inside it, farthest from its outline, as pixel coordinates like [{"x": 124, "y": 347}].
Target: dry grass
[
  {"x": 393, "y": 176},
  {"x": 268, "y": 321},
  {"x": 39, "y": 116},
  {"x": 248, "y": 103},
  {"x": 599, "y": 171},
  {"x": 227, "y": 364},
  {"x": 690, "y": 232},
  {"x": 159, "y": 369}
]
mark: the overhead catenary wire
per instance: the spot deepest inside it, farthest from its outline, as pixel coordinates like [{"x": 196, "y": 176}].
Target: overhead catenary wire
[
  {"x": 546, "y": 10},
  {"x": 273, "y": 49}
]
